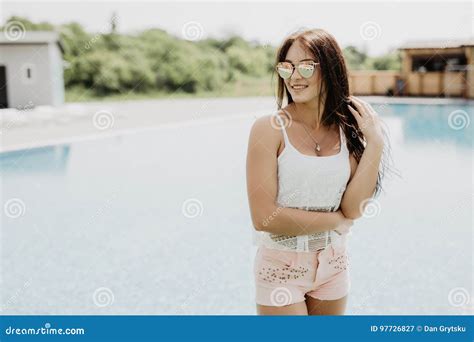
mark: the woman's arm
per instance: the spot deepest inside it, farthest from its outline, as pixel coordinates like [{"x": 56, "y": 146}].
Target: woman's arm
[
  {"x": 262, "y": 188},
  {"x": 363, "y": 181}
]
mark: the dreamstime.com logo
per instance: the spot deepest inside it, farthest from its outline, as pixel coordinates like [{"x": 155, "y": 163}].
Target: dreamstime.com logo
[
  {"x": 281, "y": 296},
  {"x": 192, "y": 31},
  {"x": 277, "y": 211},
  {"x": 192, "y": 208},
  {"x": 103, "y": 120},
  {"x": 46, "y": 330}
]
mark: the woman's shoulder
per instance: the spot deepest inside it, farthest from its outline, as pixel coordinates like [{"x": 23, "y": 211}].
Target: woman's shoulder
[
  {"x": 266, "y": 128},
  {"x": 267, "y": 123},
  {"x": 272, "y": 121}
]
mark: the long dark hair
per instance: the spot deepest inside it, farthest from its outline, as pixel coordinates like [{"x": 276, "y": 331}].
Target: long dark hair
[{"x": 334, "y": 89}]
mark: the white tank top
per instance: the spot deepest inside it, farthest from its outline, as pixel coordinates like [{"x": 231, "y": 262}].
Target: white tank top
[{"x": 311, "y": 183}]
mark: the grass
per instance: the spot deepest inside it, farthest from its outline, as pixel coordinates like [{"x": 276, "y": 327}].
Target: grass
[{"x": 243, "y": 87}]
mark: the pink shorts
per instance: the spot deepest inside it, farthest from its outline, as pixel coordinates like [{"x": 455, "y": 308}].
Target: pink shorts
[{"x": 285, "y": 277}]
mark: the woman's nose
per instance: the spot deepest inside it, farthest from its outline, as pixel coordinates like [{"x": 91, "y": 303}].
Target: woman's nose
[{"x": 296, "y": 75}]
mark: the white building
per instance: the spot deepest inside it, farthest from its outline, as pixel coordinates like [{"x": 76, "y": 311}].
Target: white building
[{"x": 31, "y": 69}]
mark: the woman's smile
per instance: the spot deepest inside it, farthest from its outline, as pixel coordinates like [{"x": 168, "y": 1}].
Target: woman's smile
[{"x": 298, "y": 87}]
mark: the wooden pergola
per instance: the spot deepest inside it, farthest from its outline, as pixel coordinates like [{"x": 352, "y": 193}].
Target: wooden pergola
[
  {"x": 438, "y": 68},
  {"x": 431, "y": 68}
]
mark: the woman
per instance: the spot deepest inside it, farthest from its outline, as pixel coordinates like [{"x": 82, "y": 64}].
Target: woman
[{"x": 311, "y": 168}]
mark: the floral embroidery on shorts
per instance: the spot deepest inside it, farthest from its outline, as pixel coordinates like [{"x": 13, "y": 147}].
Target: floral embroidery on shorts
[
  {"x": 277, "y": 269},
  {"x": 339, "y": 262},
  {"x": 282, "y": 274}
]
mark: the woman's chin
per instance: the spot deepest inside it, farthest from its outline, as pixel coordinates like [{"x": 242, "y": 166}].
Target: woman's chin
[{"x": 301, "y": 99}]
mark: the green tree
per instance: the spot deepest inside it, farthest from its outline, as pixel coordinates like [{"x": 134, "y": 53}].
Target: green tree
[
  {"x": 29, "y": 25},
  {"x": 355, "y": 59},
  {"x": 390, "y": 61}
]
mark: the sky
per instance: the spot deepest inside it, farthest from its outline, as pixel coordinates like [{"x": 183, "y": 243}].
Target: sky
[{"x": 376, "y": 27}]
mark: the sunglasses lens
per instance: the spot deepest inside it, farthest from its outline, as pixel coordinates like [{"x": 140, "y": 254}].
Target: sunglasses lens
[
  {"x": 284, "y": 70},
  {"x": 306, "y": 70}
]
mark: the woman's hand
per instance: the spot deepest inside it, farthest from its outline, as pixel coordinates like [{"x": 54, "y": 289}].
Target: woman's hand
[
  {"x": 345, "y": 224},
  {"x": 367, "y": 119}
]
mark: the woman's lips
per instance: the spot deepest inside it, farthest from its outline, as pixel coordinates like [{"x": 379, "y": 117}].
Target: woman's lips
[{"x": 299, "y": 87}]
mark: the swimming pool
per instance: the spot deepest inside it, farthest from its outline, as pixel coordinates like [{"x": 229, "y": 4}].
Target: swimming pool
[{"x": 157, "y": 222}]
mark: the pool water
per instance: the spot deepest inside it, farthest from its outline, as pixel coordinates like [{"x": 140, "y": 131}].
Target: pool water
[{"x": 157, "y": 222}]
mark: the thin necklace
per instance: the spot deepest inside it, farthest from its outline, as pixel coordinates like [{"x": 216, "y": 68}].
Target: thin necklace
[{"x": 317, "y": 148}]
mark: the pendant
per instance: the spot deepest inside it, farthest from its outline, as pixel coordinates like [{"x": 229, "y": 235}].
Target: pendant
[{"x": 318, "y": 148}]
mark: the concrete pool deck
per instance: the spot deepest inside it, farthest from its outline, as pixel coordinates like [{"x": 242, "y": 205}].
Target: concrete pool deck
[
  {"x": 110, "y": 218},
  {"x": 46, "y": 125}
]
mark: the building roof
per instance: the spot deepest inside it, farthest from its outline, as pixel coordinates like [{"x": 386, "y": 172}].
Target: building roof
[
  {"x": 31, "y": 37},
  {"x": 437, "y": 44}
]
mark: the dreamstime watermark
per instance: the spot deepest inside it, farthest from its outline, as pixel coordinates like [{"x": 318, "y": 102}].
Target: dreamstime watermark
[
  {"x": 18, "y": 118},
  {"x": 281, "y": 296},
  {"x": 103, "y": 296},
  {"x": 102, "y": 209},
  {"x": 197, "y": 288},
  {"x": 202, "y": 110},
  {"x": 192, "y": 30},
  {"x": 383, "y": 107},
  {"x": 386, "y": 281},
  {"x": 98, "y": 35},
  {"x": 458, "y": 119},
  {"x": 370, "y": 208},
  {"x": 192, "y": 208},
  {"x": 14, "y": 30},
  {"x": 281, "y": 122},
  {"x": 459, "y": 296},
  {"x": 27, "y": 107},
  {"x": 46, "y": 330},
  {"x": 14, "y": 208},
  {"x": 280, "y": 208},
  {"x": 103, "y": 120},
  {"x": 370, "y": 30},
  {"x": 15, "y": 296},
  {"x": 272, "y": 216}
]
